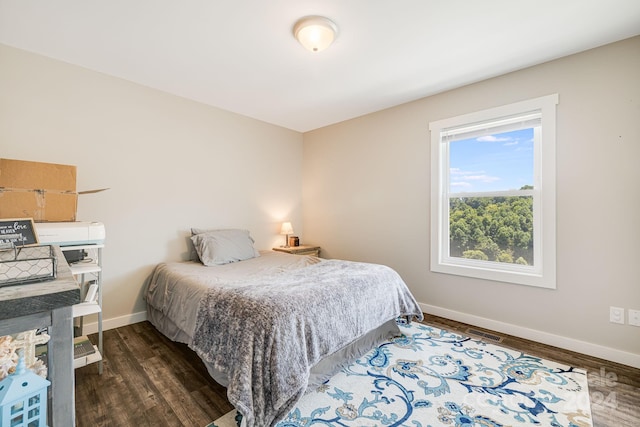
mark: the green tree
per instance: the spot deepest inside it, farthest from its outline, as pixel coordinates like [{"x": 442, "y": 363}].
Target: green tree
[
  {"x": 473, "y": 254},
  {"x": 505, "y": 256},
  {"x": 499, "y": 228}
]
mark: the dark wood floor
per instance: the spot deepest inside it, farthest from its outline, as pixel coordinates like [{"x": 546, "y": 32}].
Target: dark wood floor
[{"x": 149, "y": 380}]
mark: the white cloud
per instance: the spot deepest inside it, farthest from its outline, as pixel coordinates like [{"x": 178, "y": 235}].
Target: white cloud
[
  {"x": 491, "y": 138},
  {"x": 463, "y": 175},
  {"x": 464, "y": 180},
  {"x": 461, "y": 184},
  {"x": 482, "y": 178}
]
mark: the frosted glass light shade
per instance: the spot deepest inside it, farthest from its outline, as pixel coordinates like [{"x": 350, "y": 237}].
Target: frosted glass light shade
[
  {"x": 286, "y": 228},
  {"x": 315, "y": 33}
]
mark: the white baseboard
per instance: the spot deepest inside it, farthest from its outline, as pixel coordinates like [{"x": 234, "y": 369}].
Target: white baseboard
[
  {"x": 115, "y": 322},
  {"x": 594, "y": 350}
]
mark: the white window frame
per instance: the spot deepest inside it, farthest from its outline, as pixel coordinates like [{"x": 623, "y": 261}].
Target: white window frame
[{"x": 543, "y": 272}]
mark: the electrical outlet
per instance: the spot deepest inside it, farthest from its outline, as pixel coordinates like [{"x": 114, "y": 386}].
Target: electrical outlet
[
  {"x": 616, "y": 315},
  {"x": 634, "y": 317}
]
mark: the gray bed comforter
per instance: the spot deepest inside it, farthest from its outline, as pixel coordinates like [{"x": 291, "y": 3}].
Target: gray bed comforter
[{"x": 267, "y": 336}]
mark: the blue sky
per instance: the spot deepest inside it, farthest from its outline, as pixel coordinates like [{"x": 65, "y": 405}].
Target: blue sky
[{"x": 502, "y": 161}]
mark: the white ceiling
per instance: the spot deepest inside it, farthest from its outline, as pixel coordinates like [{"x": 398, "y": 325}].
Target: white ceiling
[{"x": 241, "y": 55}]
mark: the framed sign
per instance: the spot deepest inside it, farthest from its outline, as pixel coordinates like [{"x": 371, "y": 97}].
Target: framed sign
[{"x": 17, "y": 232}]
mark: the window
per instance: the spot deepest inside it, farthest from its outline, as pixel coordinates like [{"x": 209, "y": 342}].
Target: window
[{"x": 493, "y": 194}]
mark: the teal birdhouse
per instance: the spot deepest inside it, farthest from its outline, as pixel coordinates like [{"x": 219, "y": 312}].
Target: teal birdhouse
[{"x": 23, "y": 399}]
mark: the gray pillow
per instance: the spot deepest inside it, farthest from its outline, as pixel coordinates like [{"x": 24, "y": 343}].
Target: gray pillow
[
  {"x": 217, "y": 247},
  {"x": 193, "y": 254}
]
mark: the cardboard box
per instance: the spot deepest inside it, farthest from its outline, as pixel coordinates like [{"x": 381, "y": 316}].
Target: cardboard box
[
  {"x": 37, "y": 176},
  {"x": 41, "y": 205},
  {"x": 42, "y": 191}
]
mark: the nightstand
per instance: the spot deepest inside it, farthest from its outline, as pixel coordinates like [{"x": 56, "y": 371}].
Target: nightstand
[{"x": 300, "y": 250}]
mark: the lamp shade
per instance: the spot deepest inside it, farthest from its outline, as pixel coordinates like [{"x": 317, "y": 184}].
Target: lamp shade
[
  {"x": 286, "y": 228},
  {"x": 315, "y": 33}
]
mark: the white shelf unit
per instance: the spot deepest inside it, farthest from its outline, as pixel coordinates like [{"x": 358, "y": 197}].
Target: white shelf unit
[
  {"x": 81, "y": 361},
  {"x": 86, "y": 272}
]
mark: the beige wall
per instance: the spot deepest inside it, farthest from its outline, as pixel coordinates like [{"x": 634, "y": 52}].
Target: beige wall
[
  {"x": 366, "y": 197},
  {"x": 364, "y": 184},
  {"x": 170, "y": 163}
]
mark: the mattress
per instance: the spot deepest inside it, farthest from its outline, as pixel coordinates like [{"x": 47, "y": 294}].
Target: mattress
[
  {"x": 176, "y": 288},
  {"x": 179, "y": 293}
]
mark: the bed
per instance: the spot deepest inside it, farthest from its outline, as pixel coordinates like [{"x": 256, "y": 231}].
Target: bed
[{"x": 270, "y": 325}]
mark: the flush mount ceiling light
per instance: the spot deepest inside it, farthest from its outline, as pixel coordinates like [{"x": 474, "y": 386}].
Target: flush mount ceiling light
[{"x": 315, "y": 33}]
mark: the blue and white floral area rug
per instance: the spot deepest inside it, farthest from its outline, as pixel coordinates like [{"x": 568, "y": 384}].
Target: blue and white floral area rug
[{"x": 429, "y": 377}]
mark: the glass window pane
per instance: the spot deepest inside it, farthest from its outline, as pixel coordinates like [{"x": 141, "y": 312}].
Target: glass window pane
[
  {"x": 17, "y": 407},
  {"x": 498, "y": 229},
  {"x": 497, "y": 162}
]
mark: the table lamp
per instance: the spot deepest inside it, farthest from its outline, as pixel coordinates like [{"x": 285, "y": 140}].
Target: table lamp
[{"x": 286, "y": 230}]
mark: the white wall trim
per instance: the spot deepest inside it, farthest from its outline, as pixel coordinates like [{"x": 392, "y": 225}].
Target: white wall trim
[
  {"x": 115, "y": 322},
  {"x": 571, "y": 344}
]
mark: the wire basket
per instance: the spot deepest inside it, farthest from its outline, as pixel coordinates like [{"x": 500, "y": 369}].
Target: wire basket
[{"x": 27, "y": 264}]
